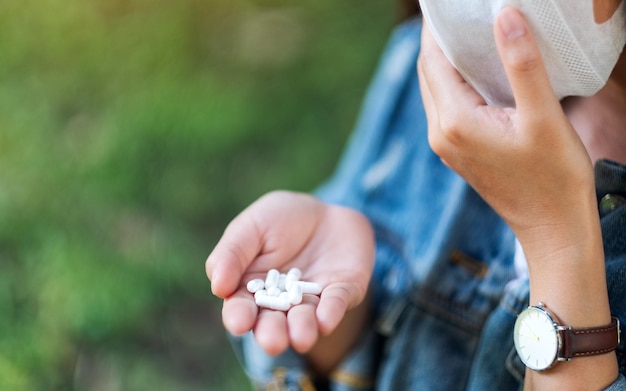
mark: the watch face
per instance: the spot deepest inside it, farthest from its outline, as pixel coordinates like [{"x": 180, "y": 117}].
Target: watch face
[{"x": 536, "y": 338}]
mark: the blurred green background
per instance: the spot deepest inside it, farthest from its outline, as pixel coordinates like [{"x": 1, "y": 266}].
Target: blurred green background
[{"x": 131, "y": 132}]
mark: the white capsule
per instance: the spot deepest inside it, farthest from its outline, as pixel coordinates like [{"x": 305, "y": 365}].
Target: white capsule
[
  {"x": 258, "y": 293},
  {"x": 273, "y": 291},
  {"x": 272, "y": 278},
  {"x": 294, "y": 274},
  {"x": 273, "y": 302},
  {"x": 294, "y": 294},
  {"x": 284, "y": 295},
  {"x": 282, "y": 279},
  {"x": 255, "y": 285},
  {"x": 307, "y": 287}
]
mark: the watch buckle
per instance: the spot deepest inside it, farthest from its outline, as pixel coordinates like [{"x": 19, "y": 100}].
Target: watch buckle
[{"x": 560, "y": 335}]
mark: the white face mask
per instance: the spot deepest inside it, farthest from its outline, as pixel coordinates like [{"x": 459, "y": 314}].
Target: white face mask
[{"x": 579, "y": 53}]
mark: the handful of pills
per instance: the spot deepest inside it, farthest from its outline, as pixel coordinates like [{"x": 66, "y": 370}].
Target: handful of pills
[{"x": 280, "y": 291}]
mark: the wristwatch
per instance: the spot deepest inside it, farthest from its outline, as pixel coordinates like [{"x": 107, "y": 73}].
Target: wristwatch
[{"x": 541, "y": 341}]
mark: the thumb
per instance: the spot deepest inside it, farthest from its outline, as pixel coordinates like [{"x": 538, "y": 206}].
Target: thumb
[{"x": 522, "y": 61}]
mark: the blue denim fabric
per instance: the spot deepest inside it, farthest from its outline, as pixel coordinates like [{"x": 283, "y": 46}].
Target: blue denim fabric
[{"x": 444, "y": 286}]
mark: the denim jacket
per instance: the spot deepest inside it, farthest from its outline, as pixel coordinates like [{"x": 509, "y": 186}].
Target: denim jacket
[{"x": 445, "y": 290}]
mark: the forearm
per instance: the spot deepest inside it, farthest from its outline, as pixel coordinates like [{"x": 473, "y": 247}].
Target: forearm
[
  {"x": 567, "y": 274},
  {"x": 329, "y": 350}
]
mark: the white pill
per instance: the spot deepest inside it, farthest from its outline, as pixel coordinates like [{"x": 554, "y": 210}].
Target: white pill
[
  {"x": 294, "y": 274},
  {"x": 284, "y": 295},
  {"x": 307, "y": 287},
  {"x": 294, "y": 294},
  {"x": 273, "y": 302},
  {"x": 261, "y": 292},
  {"x": 282, "y": 279},
  {"x": 255, "y": 285},
  {"x": 272, "y": 278},
  {"x": 273, "y": 291}
]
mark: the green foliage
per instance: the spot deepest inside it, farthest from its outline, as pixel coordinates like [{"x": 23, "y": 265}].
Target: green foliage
[{"x": 130, "y": 133}]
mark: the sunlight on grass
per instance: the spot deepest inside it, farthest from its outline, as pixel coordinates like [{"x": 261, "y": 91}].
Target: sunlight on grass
[{"x": 130, "y": 133}]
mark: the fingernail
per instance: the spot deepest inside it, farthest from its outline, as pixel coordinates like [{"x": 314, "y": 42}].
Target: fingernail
[{"x": 512, "y": 24}]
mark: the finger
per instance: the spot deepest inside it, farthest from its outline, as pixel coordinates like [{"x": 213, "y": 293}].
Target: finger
[
  {"x": 449, "y": 101},
  {"x": 302, "y": 324},
  {"x": 523, "y": 63},
  {"x": 435, "y": 139},
  {"x": 237, "y": 248},
  {"x": 270, "y": 331},
  {"x": 445, "y": 83},
  {"x": 335, "y": 300},
  {"x": 427, "y": 98},
  {"x": 239, "y": 313}
]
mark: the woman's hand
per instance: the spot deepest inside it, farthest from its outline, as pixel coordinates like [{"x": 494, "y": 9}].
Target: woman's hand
[
  {"x": 332, "y": 245},
  {"x": 527, "y": 162},
  {"x": 530, "y": 165}
]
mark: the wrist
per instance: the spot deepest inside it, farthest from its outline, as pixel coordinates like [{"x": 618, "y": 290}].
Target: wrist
[
  {"x": 566, "y": 266},
  {"x": 567, "y": 231},
  {"x": 569, "y": 276},
  {"x": 572, "y": 282}
]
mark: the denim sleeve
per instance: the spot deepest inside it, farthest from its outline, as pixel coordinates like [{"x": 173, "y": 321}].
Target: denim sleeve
[
  {"x": 384, "y": 96},
  {"x": 285, "y": 372},
  {"x": 611, "y": 180},
  {"x": 618, "y": 385}
]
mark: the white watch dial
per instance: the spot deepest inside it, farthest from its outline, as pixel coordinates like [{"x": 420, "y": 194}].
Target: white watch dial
[{"x": 536, "y": 338}]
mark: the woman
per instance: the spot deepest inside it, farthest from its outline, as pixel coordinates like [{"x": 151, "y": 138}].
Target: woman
[{"x": 440, "y": 308}]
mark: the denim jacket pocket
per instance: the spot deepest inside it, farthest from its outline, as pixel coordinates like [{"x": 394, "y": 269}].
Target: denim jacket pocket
[
  {"x": 515, "y": 366},
  {"x": 496, "y": 365}
]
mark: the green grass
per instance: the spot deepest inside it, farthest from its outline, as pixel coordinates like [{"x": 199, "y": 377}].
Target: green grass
[{"x": 131, "y": 132}]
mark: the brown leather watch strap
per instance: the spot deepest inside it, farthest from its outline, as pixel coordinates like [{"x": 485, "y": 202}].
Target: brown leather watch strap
[{"x": 589, "y": 341}]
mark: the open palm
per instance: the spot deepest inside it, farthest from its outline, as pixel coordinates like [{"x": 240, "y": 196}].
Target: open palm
[{"x": 332, "y": 245}]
